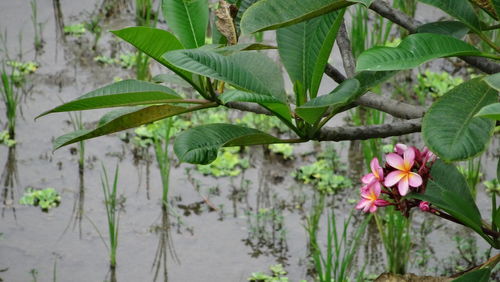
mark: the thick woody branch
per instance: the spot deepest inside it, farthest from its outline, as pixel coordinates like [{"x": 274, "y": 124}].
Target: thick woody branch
[
  {"x": 372, "y": 131},
  {"x": 343, "y": 133},
  {"x": 409, "y": 23},
  {"x": 249, "y": 107},
  {"x": 370, "y": 100},
  {"x": 346, "y": 51}
]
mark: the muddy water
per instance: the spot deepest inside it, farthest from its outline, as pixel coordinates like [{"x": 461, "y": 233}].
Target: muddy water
[{"x": 194, "y": 241}]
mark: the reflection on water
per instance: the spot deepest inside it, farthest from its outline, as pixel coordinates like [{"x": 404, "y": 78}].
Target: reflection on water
[
  {"x": 9, "y": 179},
  {"x": 165, "y": 246},
  {"x": 78, "y": 203}
]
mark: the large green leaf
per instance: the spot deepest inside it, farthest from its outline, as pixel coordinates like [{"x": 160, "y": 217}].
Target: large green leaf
[
  {"x": 451, "y": 28},
  {"x": 250, "y": 71},
  {"x": 496, "y": 6},
  {"x": 272, "y": 14},
  {"x": 244, "y": 5},
  {"x": 188, "y": 19},
  {"x": 491, "y": 111},
  {"x": 462, "y": 10},
  {"x": 449, "y": 127},
  {"x": 120, "y": 94},
  {"x": 346, "y": 93},
  {"x": 153, "y": 42},
  {"x": 122, "y": 119},
  {"x": 448, "y": 191},
  {"x": 305, "y": 48},
  {"x": 480, "y": 275},
  {"x": 493, "y": 81},
  {"x": 414, "y": 50},
  {"x": 267, "y": 101},
  {"x": 199, "y": 145}
]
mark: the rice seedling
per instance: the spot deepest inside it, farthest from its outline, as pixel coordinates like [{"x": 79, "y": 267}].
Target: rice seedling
[
  {"x": 334, "y": 263},
  {"x": 37, "y": 27},
  {"x": 11, "y": 99},
  {"x": 394, "y": 230},
  {"x": 161, "y": 145},
  {"x": 111, "y": 203}
]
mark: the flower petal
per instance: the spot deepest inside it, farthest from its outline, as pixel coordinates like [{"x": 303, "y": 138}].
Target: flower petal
[
  {"x": 409, "y": 159},
  {"x": 375, "y": 187},
  {"x": 400, "y": 148},
  {"x": 377, "y": 170},
  {"x": 414, "y": 180},
  {"x": 368, "y": 178},
  {"x": 373, "y": 208},
  {"x": 395, "y": 161},
  {"x": 403, "y": 186},
  {"x": 361, "y": 204},
  {"x": 393, "y": 178}
]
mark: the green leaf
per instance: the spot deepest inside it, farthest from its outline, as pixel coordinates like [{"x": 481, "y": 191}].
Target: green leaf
[
  {"x": 250, "y": 71},
  {"x": 273, "y": 14},
  {"x": 119, "y": 94},
  {"x": 491, "y": 111},
  {"x": 188, "y": 19},
  {"x": 462, "y": 10},
  {"x": 122, "y": 119},
  {"x": 480, "y": 275},
  {"x": 414, "y": 50},
  {"x": 199, "y": 145},
  {"x": 496, "y": 6},
  {"x": 448, "y": 191},
  {"x": 449, "y": 127},
  {"x": 153, "y": 42},
  {"x": 344, "y": 94},
  {"x": 244, "y": 5},
  {"x": 305, "y": 48},
  {"x": 267, "y": 101},
  {"x": 450, "y": 28},
  {"x": 493, "y": 81}
]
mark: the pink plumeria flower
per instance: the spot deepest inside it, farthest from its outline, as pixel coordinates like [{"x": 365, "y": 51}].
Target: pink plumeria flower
[
  {"x": 370, "y": 199},
  {"x": 403, "y": 176},
  {"x": 400, "y": 148},
  {"x": 424, "y": 206},
  {"x": 427, "y": 156},
  {"x": 375, "y": 177}
]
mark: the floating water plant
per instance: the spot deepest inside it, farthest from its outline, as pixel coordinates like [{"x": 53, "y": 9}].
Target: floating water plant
[{"x": 46, "y": 199}]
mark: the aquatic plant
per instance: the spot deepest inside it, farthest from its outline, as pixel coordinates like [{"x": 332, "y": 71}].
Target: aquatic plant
[
  {"x": 6, "y": 140},
  {"x": 326, "y": 175},
  {"x": 277, "y": 275},
  {"x": 37, "y": 26},
  {"x": 229, "y": 163},
  {"x": 335, "y": 261},
  {"x": 11, "y": 99},
  {"x": 435, "y": 84},
  {"x": 46, "y": 199},
  {"x": 111, "y": 203},
  {"x": 286, "y": 150},
  {"x": 22, "y": 69},
  {"x": 75, "y": 30}
]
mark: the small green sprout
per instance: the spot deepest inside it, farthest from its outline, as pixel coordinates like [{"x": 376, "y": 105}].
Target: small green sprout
[
  {"x": 76, "y": 30},
  {"x": 286, "y": 150},
  {"x": 322, "y": 176},
  {"x": 46, "y": 199},
  {"x": 228, "y": 163},
  {"x": 5, "y": 139}
]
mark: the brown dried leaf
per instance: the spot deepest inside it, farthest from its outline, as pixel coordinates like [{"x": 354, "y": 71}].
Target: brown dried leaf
[{"x": 225, "y": 21}]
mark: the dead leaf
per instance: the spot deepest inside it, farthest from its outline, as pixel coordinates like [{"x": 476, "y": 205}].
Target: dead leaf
[
  {"x": 225, "y": 21},
  {"x": 389, "y": 277}
]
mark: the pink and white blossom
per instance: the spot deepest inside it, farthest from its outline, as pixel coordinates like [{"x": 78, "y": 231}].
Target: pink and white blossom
[{"x": 403, "y": 176}]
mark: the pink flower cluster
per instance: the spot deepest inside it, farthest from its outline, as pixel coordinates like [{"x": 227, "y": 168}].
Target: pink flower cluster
[{"x": 407, "y": 168}]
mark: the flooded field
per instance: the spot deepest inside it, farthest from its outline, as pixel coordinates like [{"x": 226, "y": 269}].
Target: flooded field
[{"x": 216, "y": 228}]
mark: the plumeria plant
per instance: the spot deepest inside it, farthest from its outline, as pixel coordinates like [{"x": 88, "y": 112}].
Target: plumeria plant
[{"x": 234, "y": 72}]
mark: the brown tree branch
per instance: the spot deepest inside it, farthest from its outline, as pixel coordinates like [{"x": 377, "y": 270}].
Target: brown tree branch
[
  {"x": 342, "y": 133},
  {"x": 346, "y": 51},
  {"x": 409, "y": 23},
  {"x": 371, "y": 100}
]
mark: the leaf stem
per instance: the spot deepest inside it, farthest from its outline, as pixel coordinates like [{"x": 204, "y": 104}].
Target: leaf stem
[{"x": 489, "y": 42}]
